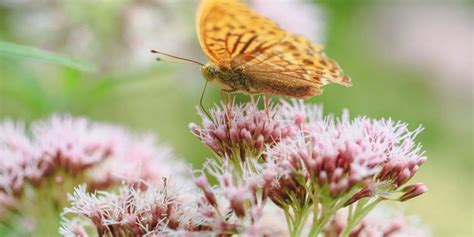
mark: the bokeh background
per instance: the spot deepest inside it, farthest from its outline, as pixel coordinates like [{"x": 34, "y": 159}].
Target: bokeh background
[{"x": 409, "y": 60}]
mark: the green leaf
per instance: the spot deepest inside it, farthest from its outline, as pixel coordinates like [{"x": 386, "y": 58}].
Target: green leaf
[{"x": 11, "y": 49}]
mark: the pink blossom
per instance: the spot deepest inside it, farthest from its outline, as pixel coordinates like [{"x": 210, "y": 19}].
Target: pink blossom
[
  {"x": 158, "y": 209},
  {"x": 235, "y": 205},
  {"x": 299, "y": 113},
  {"x": 338, "y": 154},
  {"x": 74, "y": 144},
  {"x": 145, "y": 159},
  {"x": 16, "y": 153},
  {"x": 241, "y": 131},
  {"x": 68, "y": 151},
  {"x": 412, "y": 191},
  {"x": 322, "y": 165},
  {"x": 73, "y": 228}
]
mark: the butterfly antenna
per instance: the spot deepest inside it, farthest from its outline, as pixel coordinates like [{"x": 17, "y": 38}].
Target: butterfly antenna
[
  {"x": 169, "y": 57},
  {"x": 200, "y": 102}
]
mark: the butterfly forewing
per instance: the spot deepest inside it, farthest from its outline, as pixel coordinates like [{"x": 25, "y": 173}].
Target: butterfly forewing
[{"x": 228, "y": 29}]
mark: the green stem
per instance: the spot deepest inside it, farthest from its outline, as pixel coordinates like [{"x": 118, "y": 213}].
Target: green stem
[
  {"x": 358, "y": 215},
  {"x": 329, "y": 208},
  {"x": 288, "y": 218},
  {"x": 43, "y": 209},
  {"x": 300, "y": 220},
  {"x": 320, "y": 222},
  {"x": 350, "y": 211}
]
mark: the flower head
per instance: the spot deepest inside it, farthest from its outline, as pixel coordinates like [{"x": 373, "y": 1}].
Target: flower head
[
  {"x": 337, "y": 155},
  {"x": 74, "y": 146},
  {"x": 65, "y": 151},
  {"x": 157, "y": 209},
  {"x": 334, "y": 162},
  {"x": 241, "y": 131},
  {"x": 16, "y": 154},
  {"x": 236, "y": 204}
]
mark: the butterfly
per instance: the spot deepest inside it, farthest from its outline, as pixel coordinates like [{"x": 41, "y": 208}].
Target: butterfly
[{"x": 251, "y": 54}]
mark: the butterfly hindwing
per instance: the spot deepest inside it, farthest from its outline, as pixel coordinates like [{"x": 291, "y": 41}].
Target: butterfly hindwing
[{"x": 299, "y": 59}]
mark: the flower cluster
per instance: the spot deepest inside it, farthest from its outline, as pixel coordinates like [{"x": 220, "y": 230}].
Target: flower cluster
[
  {"x": 169, "y": 210},
  {"x": 159, "y": 209},
  {"x": 64, "y": 145},
  {"x": 64, "y": 151},
  {"x": 324, "y": 163},
  {"x": 241, "y": 131},
  {"x": 286, "y": 163},
  {"x": 337, "y": 155},
  {"x": 235, "y": 204}
]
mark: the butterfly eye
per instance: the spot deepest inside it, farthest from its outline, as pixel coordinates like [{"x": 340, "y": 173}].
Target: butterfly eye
[{"x": 210, "y": 71}]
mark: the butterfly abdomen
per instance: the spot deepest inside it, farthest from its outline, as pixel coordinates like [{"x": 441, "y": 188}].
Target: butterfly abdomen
[
  {"x": 238, "y": 80},
  {"x": 277, "y": 86}
]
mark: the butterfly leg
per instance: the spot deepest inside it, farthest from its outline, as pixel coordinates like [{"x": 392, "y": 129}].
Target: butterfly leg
[
  {"x": 252, "y": 99},
  {"x": 266, "y": 104},
  {"x": 228, "y": 100},
  {"x": 202, "y": 106}
]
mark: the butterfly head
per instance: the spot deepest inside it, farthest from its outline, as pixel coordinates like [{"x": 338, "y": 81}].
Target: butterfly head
[{"x": 209, "y": 71}]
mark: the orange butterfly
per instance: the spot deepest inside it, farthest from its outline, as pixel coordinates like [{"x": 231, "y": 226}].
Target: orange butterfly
[{"x": 253, "y": 55}]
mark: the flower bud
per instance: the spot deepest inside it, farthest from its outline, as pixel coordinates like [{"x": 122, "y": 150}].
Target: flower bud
[
  {"x": 412, "y": 191},
  {"x": 365, "y": 192},
  {"x": 237, "y": 203},
  {"x": 203, "y": 184}
]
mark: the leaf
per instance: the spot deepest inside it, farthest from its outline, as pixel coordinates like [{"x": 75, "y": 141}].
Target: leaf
[{"x": 16, "y": 50}]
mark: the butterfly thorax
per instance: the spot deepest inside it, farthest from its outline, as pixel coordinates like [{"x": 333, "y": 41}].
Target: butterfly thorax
[{"x": 230, "y": 80}]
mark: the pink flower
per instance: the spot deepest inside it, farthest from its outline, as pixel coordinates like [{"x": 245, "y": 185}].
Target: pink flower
[
  {"x": 309, "y": 165},
  {"x": 412, "y": 191},
  {"x": 241, "y": 131},
  {"x": 73, "y": 228},
  {"x": 16, "y": 153},
  {"x": 145, "y": 159},
  {"x": 158, "y": 209},
  {"x": 76, "y": 145},
  {"x": 67, "y": 151},
  {"x": 405, "y": 158},
  {"x": 300, "y": 114},
  {"x": 340, "y": 154},
  {"x": 334, "y": 162},
  {"x": 235, "y": 205}
]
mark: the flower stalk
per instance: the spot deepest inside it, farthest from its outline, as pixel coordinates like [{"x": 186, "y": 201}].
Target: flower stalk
[{"x": 363, "y": 208}]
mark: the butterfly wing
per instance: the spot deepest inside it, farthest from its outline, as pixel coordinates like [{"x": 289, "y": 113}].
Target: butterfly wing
[
  {"x": 275, "y": 61},
  {"x": 298, "y": 59},
  {"x": 228, "y": 28}
]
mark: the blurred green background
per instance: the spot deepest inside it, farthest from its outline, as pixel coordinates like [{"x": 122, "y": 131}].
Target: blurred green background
[{"x": 409, "y": 60}]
